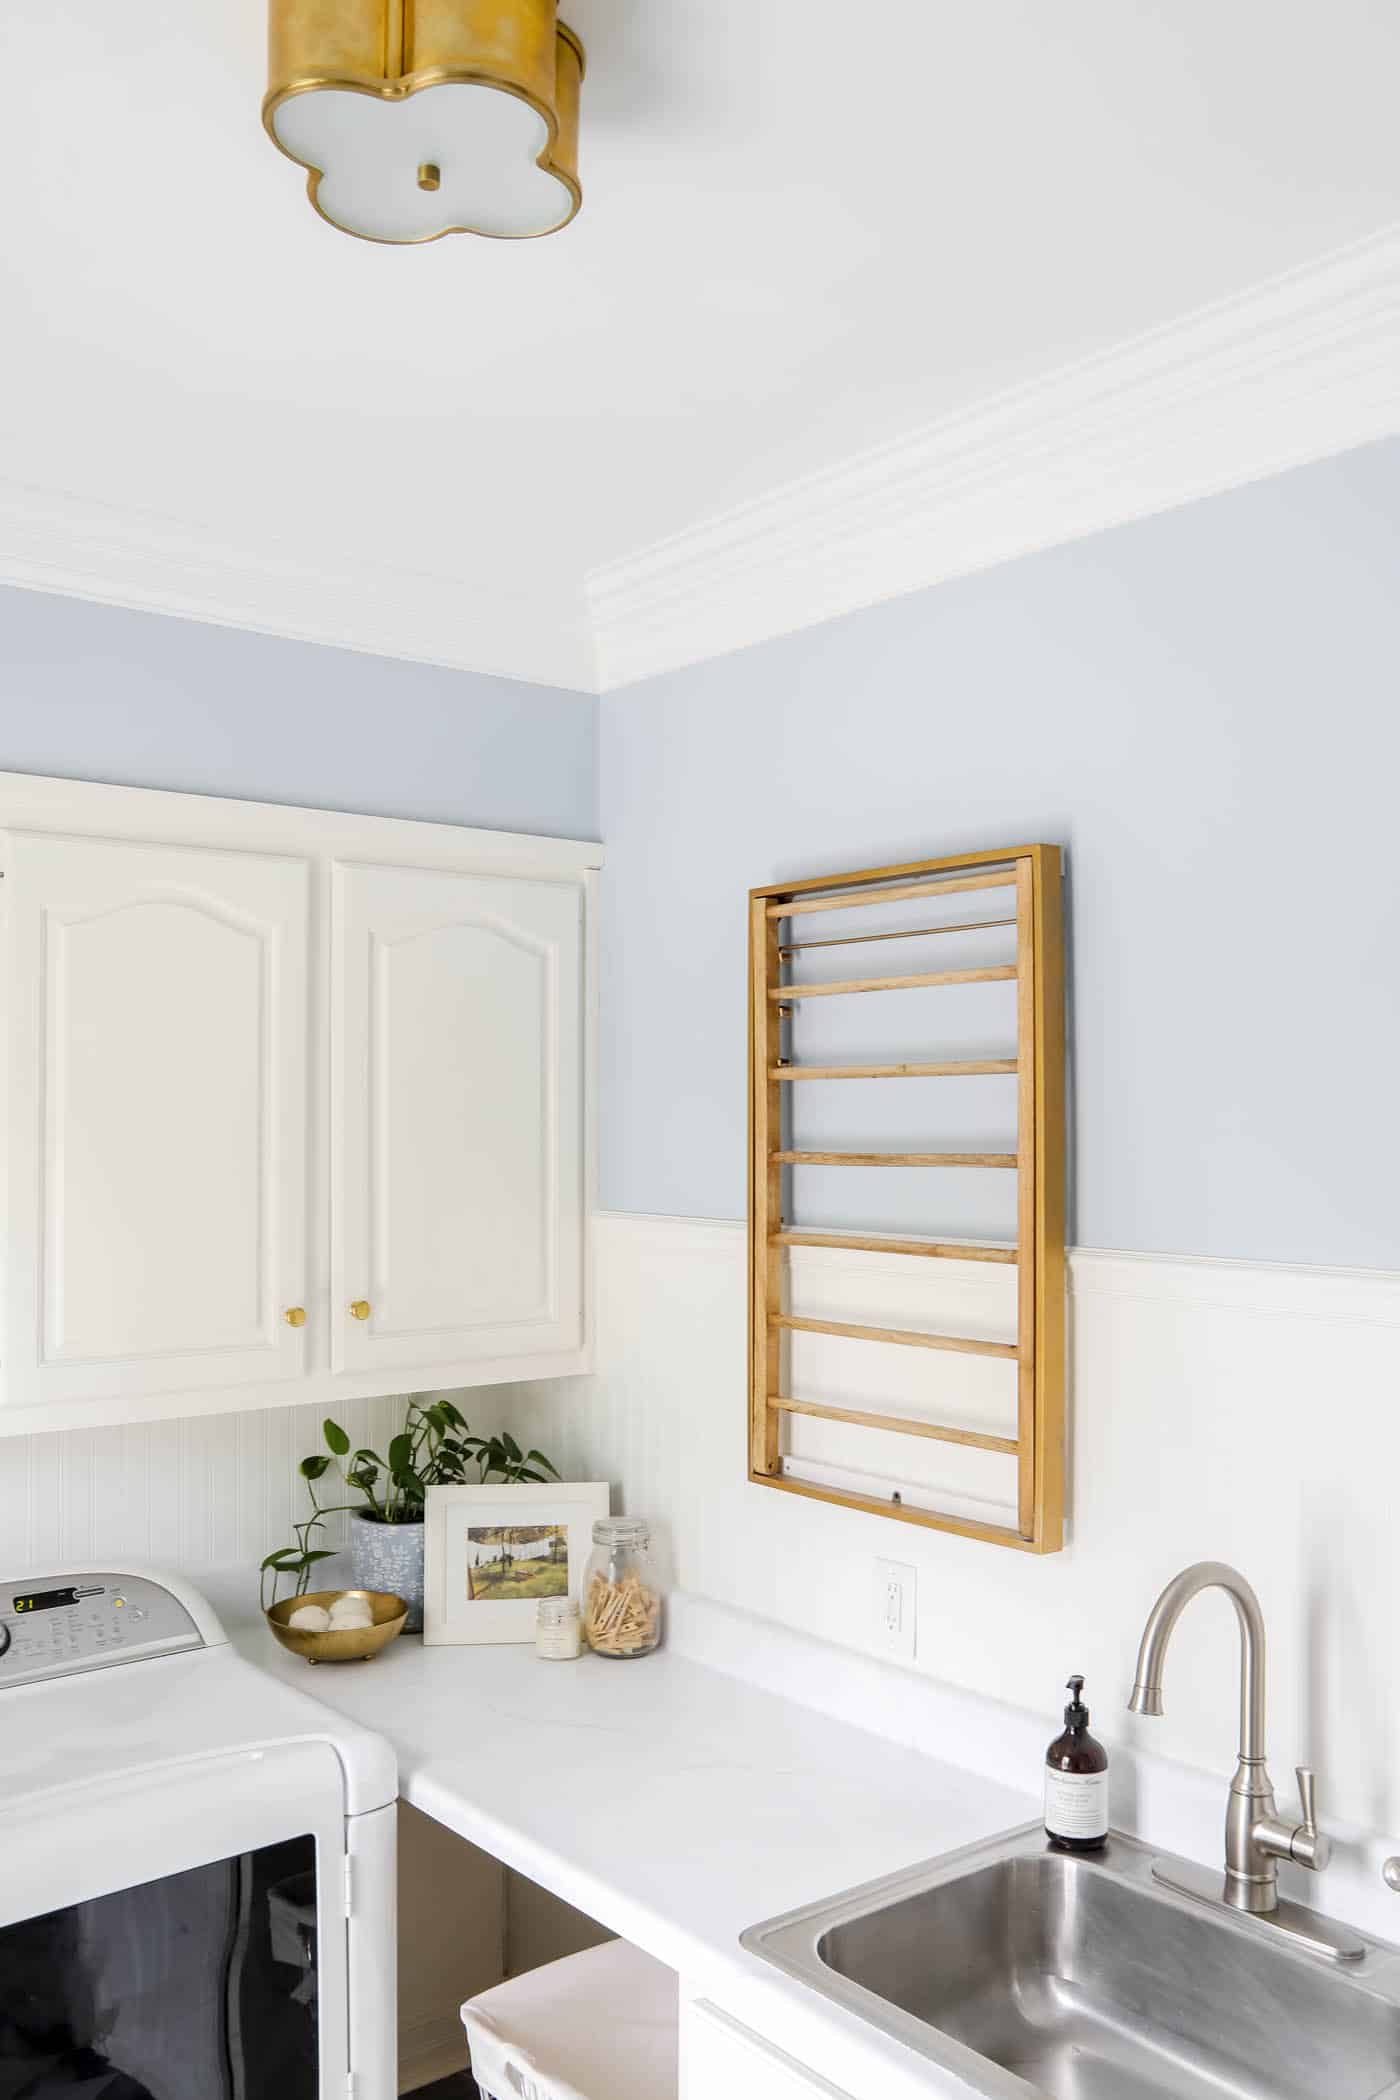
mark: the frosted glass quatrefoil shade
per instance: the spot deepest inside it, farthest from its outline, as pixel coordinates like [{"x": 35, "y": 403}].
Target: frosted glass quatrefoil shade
[
  {"x": 457, "y": 116},
  {"x": 482, "y": 144}
]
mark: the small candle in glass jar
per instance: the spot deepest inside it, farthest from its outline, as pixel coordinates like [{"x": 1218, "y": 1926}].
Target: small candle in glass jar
[{"x": 558, "y": 1634}]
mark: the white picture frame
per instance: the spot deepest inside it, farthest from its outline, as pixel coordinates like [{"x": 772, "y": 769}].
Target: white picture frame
[{"x": 468, "y": 1554}]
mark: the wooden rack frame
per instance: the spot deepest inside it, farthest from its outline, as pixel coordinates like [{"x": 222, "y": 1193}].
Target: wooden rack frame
[{"x": 1033, "y": 873}]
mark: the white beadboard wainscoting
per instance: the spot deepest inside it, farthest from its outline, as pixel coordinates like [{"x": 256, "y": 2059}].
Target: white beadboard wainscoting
[
  {"x": 213, "y": 1491},
  {"x": 1230, "y": 1410}
]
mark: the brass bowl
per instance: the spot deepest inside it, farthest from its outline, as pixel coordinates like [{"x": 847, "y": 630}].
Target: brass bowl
[{"x": 341, "y": 1644}]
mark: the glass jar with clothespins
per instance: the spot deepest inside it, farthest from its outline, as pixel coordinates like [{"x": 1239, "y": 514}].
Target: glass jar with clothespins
[{"x": 621, "y": 1595}]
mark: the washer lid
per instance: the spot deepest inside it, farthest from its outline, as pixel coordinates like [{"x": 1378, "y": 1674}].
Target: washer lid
[{"x": 103, "y": 1726}]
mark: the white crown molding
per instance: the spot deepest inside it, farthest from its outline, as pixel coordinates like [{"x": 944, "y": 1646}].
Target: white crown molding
[
  {"x": 1304, "y": 365},
  {"x": 1299, "y": 367},
  {"x": 150, "y": 563}
]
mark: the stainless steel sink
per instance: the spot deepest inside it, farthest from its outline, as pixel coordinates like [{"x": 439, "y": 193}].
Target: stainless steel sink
[{"x": 1028, "y": 1971}]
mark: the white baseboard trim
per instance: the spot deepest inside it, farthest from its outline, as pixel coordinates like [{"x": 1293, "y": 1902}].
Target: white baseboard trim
[{"x": 1296, "y": 368}]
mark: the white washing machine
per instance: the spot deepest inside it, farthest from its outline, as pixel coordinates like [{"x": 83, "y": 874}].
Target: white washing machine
[{"x": 197, "y": 1863}]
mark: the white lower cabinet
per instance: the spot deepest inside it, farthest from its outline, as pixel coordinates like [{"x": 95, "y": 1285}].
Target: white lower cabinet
[
  {"x": 296, "y": 1105},
  {"x": 720, "y": 2060},
  {"x": 457, "y": 1117}
]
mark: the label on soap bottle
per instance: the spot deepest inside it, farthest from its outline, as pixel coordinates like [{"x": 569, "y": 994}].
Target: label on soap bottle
[{"x": 1076, "y": 1804}]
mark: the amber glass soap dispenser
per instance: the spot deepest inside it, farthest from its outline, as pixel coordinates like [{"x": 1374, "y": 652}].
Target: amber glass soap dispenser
[{"x": 1076, "y": 1782}]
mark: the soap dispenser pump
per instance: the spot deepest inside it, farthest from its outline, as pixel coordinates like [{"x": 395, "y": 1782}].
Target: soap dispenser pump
[{"x": 1076, "y": 1782}]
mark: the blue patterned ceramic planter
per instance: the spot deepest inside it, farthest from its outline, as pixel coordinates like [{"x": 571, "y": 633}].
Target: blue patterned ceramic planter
[{"x": 390, "y": 1557}]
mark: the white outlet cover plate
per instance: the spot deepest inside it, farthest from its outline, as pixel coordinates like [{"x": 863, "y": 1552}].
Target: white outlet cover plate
[{"x": 896, "y": 1607}]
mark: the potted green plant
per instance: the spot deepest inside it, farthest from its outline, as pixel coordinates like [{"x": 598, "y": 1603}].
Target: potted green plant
[{"x": 434, "y": 1448}]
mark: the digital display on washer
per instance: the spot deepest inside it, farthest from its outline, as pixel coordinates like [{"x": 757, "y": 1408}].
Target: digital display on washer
[{"x": 44, "y": 1600}]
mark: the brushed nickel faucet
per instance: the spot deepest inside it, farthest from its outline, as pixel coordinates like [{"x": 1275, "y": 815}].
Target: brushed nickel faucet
[{"x": 1256, "y": 1836}]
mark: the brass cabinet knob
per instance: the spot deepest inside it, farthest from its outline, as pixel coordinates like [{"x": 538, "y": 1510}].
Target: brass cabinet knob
[
  {"x": 295, "y": 1316},
  {"x": 360, "y": 1309}
]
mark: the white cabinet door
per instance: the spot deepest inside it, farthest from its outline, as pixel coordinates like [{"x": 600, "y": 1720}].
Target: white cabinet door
[
  {"x": 457, "y": 1117},
  {"x": 157, "y": 1007},
  {"x": 720, "y": 2060}
]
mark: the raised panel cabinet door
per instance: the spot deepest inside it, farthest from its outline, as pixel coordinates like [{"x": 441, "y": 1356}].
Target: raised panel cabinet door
[
  {"x": 720, "y": 2060},
  {"x": 156, "y": 1030},
  {"x": 457, "y": 1112}
]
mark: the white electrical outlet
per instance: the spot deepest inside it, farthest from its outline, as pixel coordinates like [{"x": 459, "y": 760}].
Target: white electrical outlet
[{"x": 896, "y": 1607}]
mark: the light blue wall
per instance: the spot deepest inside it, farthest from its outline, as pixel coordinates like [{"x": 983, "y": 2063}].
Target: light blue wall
[
  {"x": 92, "y": 692},
  {"x": 1204, "y": 708}
]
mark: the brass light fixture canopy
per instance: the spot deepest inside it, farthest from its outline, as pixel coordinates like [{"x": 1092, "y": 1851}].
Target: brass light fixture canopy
[{"x": 372, "y": 96}]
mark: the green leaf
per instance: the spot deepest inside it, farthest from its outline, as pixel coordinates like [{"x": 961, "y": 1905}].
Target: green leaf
[
  {"x": 400, "y": 1453},
  {"x": 312, "y": 1468},
  {"x": 335, "y": 1436},
  {"x": 284, "y": 1560},
  {"x": 509, "y": 1444},
  {"x": 453, "y": 1414},
  {"x": 537, "y": 1458},
  {"x": 320, "y": 1553}
]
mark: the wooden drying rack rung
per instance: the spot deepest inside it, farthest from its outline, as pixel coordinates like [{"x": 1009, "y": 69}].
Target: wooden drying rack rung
[
  {"x": 844, "y": 901},
  {"x": 869, "y": 1243},
  {"x": 901, "y": 1425},
  {"x": 998, "y": 973},
  {"x": 905, "y": 1337},
  {"x": 905, "y": 933},
  {"x": 877, "y": 1506},
  {"x": 950, "y": 1068},
  {"x": 893, "y": 1159}
]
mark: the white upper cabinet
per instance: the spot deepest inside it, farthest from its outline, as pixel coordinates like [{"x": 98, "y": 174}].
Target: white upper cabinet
[
  {"x": 297, "y": 1105},
  {"x": 157, "y": 1117},
  {"x": 456, "y": 1117}
]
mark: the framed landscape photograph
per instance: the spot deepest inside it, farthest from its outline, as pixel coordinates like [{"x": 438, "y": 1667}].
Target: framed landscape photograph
[{"x": 491, "y": 1553}]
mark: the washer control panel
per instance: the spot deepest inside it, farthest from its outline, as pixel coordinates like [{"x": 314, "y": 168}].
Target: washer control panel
[{"x": 71, "y": 1623}]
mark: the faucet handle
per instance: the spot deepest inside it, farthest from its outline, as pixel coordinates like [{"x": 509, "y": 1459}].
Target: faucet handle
[{"x": 1309, "y": 1848}]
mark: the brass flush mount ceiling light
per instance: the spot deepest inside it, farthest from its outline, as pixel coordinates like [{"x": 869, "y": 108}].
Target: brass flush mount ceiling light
[{"x": 416, "y": 118}]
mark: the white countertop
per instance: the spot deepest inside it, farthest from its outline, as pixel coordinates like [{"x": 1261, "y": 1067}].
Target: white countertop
[{"x": 674, "y": 1804}]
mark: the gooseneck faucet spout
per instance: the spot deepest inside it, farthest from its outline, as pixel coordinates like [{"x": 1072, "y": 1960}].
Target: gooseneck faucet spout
[
  {"x": 1152, "y": 1653},
  {"x": 1255, "y": 1836}
]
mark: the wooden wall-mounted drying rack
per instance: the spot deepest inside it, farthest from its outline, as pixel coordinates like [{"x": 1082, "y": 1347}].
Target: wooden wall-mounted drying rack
[{"x": 1033, "y": 873}]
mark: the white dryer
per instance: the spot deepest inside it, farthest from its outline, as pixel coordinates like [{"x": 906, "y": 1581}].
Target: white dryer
[{"x": 197, "y": 1863}]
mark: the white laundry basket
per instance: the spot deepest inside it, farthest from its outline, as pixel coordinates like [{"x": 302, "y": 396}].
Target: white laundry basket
[{"x": 596, "y": 2026}]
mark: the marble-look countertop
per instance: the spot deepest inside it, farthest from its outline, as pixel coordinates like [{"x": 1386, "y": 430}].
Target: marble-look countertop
[{"x": 675, "y": 1804}]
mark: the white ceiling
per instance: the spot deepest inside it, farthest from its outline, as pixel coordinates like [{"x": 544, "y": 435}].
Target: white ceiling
[{"x": 799, "y": 239}]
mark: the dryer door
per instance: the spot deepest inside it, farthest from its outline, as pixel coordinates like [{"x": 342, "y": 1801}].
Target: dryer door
[{"x": 183, "y": 1938}]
